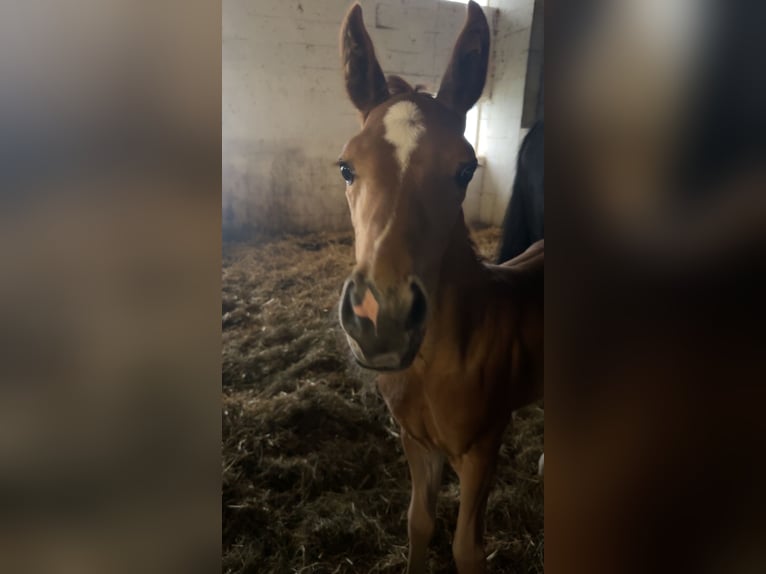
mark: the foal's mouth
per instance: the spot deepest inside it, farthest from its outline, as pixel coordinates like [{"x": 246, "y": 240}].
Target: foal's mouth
[
  {"x": 387, "y": 362},
  {"x": 384, "y": 335},
  {"x": 379, "y": 369}
]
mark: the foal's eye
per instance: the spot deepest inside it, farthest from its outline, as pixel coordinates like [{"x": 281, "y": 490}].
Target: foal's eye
[
  {"x": 465, "y": 174},
  {"x": 347, "y": 173}
]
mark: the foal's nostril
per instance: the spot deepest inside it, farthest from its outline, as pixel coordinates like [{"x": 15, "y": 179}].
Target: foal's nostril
[
  {"x": 356, "y": 289},
  {"x": 346, "y": 307},
  {"x": 352, "y": 308},
  {"x": 419, "y": 308}
]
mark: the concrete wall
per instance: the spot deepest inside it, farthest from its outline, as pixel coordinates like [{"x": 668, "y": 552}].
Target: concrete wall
[
  {"x": 501, "y": 109},
  {"x": 286, "y": 117}
]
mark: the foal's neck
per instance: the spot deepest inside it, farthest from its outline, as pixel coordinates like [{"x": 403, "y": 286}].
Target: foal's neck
[
  {"x": 463, "y": 286},
  {"x": 462, "y": 299},
  {"x": 461, "y": 268}
]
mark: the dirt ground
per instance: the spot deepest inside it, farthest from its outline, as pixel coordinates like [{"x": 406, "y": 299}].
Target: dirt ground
[{"x": 314, "y": 477}]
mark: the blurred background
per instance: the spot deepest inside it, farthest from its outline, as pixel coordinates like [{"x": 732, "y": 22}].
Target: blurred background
[
  {"x": 110, "y": 289},
  {"x": 115, "y": 201},
  {"x": 654, "y": 346}
]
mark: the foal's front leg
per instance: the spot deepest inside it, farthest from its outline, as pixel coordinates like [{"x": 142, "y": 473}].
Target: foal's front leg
[
  {"x": 475, "y": 469},
  {"x": 426, "y": 474}
]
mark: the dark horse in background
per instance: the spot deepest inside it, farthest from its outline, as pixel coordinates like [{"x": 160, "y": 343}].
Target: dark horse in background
[{"x": 524, "y": 218}]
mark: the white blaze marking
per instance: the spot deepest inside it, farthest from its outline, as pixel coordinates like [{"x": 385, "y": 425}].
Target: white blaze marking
[
  {"x": 385, "y": 231},
  {"x": 404, "y": 126}
]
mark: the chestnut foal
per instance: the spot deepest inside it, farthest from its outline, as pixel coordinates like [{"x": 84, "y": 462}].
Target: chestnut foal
[{"x": 459, "y": 343}]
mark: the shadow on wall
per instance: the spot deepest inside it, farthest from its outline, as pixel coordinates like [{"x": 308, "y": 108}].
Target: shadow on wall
[{"x": 277, "y": 190}]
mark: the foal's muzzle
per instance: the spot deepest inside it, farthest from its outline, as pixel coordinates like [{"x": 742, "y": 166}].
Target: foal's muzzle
[{"x": 384, "y": 332}]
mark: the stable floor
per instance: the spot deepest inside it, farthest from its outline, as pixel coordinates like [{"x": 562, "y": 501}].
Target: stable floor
[{"x": 314, "y": 477}]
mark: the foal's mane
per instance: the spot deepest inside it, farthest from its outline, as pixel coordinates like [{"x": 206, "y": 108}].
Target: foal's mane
[{"x": 398, "y": 85}]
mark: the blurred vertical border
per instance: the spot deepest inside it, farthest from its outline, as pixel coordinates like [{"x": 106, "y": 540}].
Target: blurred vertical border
[
  {"x": 656, "y": 260},
  {"x": 110, "y": 181}
]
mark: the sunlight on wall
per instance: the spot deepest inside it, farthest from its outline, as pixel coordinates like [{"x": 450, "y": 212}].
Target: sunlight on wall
[{"x": 472, "y": 127}]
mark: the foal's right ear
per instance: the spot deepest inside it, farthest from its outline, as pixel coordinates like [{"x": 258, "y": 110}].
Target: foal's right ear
[{"x": 365, "y": 82}]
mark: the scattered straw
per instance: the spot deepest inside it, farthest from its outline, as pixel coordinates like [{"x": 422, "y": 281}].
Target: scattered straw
[{"x": 314, "y": 478}]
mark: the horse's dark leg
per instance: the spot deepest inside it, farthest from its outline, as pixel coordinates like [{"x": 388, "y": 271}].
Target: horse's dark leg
[
  {"x": 524, "y": 218},
  {"x": 515, "y": 237}
]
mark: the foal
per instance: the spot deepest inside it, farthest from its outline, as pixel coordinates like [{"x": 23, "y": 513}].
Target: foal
[{"x": 459, "y": 343}]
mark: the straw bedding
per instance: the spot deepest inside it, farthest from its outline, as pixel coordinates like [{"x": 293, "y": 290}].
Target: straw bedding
[{"x": 314, "y": 477}]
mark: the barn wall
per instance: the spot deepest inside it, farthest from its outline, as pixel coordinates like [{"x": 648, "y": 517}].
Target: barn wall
[
  {"x": 285, "y": 115},
  {"x": 500, "y": 120}
]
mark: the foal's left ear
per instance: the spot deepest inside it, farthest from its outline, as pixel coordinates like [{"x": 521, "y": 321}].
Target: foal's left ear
[
  {"x": 365, "y": 82},
  {"x": 464, "y": 79}
]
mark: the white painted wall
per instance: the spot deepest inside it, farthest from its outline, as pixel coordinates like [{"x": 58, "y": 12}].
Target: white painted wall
[
  {"x": 285, "y": 114},
  {"x": 500, "y": 114}
]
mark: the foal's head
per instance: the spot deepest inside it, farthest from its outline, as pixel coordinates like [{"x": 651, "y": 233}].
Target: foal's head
[{"x": 406, "y": 175}]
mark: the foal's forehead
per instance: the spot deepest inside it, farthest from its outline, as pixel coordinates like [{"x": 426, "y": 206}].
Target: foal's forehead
[
  {"x": 417, "y": 108},
  {"x": 406, "y": 123}
]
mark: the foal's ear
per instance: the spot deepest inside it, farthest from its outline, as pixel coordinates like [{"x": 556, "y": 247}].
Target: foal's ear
[
  {"x": 464, "y": 79},
  {"x": 365, "y": 82}
]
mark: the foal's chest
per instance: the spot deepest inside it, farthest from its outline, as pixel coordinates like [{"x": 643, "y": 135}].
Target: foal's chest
[{"x": 447, "y": 414}]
